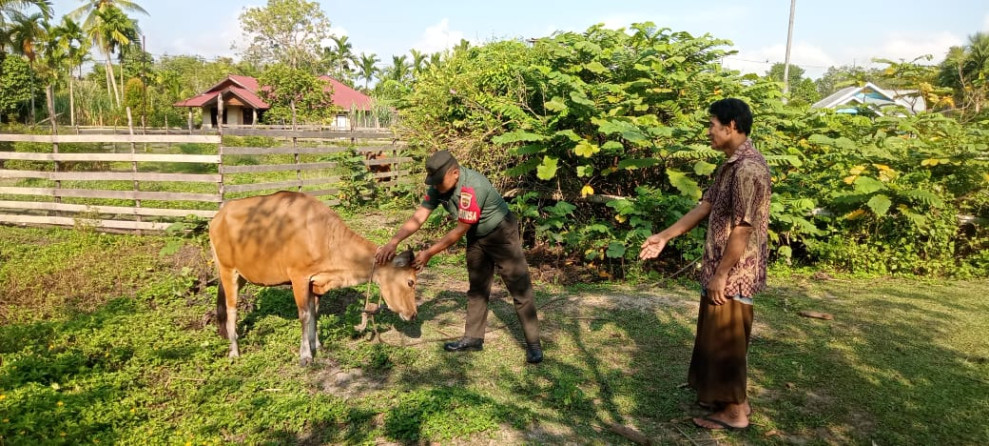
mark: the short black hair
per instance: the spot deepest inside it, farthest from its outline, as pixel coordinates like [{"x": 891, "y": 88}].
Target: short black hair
[{"x": 732, "y": 109}]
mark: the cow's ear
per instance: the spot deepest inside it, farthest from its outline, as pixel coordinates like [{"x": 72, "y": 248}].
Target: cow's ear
[{"x": 403, "y": 260}]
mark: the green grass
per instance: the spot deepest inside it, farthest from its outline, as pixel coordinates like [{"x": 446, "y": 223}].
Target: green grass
[{"x": 107, "y": 339}]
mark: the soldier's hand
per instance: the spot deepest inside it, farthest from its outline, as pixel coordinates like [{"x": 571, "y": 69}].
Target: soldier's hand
[
  {"x": 422, "y": 259},
  {"x": 385, "y": 253}
]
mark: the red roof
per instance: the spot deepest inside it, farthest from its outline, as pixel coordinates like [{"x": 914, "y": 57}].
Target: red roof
[
  {"x": 246, "y": 87},
  {"x": 346, "y": 97}
]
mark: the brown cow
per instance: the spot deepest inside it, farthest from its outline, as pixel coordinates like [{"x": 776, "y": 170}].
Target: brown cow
[{"x": 293, "y": 238}]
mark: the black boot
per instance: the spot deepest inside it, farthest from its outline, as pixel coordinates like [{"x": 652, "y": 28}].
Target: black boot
[
  {"x": 464, "y": 344},
  {"x": 533, "y": 353}
]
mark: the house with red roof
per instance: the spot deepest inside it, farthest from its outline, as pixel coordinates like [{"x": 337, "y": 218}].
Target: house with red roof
[{"x": 235, "y": 100}]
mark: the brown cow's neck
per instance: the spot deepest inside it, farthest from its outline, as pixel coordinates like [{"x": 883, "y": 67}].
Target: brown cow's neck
[{"x": 359, "y": 262}]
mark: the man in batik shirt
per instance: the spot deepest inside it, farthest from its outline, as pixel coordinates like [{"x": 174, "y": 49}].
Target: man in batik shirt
[
  {"x": 733, "y": 269},
  {"x": 493, "y": 244}
]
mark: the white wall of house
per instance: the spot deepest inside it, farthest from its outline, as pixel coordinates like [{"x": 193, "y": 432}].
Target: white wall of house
[
  {"x": 235, "y": 115},
  {"x": 342, "y": 122}
]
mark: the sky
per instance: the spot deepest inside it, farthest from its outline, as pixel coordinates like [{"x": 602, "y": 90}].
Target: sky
[{"x": 825, "y": 32}]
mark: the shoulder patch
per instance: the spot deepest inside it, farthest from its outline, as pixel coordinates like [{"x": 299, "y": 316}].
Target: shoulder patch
[{"x": 468, "y": 210}]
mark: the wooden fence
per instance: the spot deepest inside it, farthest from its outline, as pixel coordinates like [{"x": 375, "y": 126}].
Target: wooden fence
[{"x": 150, "y": 181}]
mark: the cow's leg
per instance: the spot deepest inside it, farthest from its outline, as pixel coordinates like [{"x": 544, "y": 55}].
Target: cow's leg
[
  {"x": 226, "y": 307},
  {"x": 304, "y": 302},
  {"x": 315, "y": 323}
]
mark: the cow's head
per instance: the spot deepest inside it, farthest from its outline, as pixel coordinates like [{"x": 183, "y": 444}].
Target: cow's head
[{"x": 397, "y": 281}]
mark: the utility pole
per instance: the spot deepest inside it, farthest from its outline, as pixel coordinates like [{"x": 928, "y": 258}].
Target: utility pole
[{"x": 786, "y": 61}]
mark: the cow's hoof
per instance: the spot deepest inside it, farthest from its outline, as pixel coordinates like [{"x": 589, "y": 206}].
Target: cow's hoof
[{"x": 305, "y": 362}]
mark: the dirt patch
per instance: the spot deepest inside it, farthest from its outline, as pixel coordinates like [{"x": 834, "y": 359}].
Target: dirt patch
[{"x": 331, "y": 379}]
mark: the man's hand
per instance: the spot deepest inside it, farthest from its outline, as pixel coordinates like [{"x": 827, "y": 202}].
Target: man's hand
[
  {"x": 716, "y": 289},
  {"x": 385, "y": 253},
  {"x": 652, "y": 247},
  {"x": 422, "y": 259}
]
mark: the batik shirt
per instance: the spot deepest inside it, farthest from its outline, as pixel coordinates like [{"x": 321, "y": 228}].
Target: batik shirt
[
  {"x": 474, "y": 201},
  {"x": 740, "y": 194}
]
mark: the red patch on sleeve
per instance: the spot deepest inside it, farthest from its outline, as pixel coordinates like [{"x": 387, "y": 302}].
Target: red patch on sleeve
[{"x": 468, "y": 210}]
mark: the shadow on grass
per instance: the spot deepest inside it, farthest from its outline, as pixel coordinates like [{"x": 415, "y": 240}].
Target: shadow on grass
[
  {"x": 886, "y": 369},
  {"x": 37, "y": 365}
]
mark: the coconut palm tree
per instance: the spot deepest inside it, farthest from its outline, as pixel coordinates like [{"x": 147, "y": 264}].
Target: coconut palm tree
[
  {"x": 112, "y": 30},
  {"x": 366, "y": 68},
  {"x": 109, "y": 28},
  {"x": 8, "y": 7}
]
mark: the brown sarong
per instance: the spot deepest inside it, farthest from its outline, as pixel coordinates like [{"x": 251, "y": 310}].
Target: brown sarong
[{"x": 718, "y": 365}]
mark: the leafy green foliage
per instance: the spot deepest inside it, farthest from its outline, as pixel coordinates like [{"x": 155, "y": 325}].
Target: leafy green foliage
[{"x": 584, "y": 117}]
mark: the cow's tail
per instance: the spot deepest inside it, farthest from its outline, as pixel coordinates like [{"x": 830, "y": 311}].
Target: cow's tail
[{"x": 221, "y": 311}]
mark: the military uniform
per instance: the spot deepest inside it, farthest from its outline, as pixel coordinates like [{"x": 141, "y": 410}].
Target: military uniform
[{"x": 493, "y": 245}]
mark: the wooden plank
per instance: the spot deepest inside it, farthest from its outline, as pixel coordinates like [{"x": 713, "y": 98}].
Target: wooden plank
[
  {"x": 322, "y": 192},
  {"x": 390, "y": 174},
  {"x": 61, "y": 139},
  {"x": 66, "y": 221},
  {"x": 110, "y": 194},
  {"x": 282, "y": 150},
  {"x": 112, "y": 157},
  {"x": 112, "y": 176},
  {"x": 277, "y": 167},
  {"x": 380, "y": 161},
  {"x": 328, "y": 134},
  {"x": 108, "y": 210},
  {"x": 376, "y": 149},
  {"x": 233, "y": 189}
]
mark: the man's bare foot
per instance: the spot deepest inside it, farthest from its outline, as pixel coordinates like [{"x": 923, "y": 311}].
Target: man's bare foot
[
  {"x": 717, "y": 407},
  {"x": 733, "y": 416}
]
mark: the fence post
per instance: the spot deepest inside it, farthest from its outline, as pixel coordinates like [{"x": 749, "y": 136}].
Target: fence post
[
  {"x": 133, "y": 150},
  {"x": 298, "y": 167},
  {"x": 219, "y": 167},
  {"x": 58, "y": 183}
]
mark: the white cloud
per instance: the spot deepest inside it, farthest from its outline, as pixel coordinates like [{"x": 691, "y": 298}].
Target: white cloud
[
  {"x": 208, "y": 44},
  {"x": 985, "y": 23},
  {"x": 903, "y": 46},
  {"x": 438, "y": 37}
]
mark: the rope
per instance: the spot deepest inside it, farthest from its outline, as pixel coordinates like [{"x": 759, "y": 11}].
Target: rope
[{"x": 367, "y": 311}]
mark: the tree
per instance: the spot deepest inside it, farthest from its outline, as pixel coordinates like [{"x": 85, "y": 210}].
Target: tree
[
  {"x": 285, "y": 31},
  {"x": 25, "y": 34},
  {"x": 802, "y": 90},
  {"x": 109, "y": 28},
  {"x": 915, "y": 83},
  {"x": 366, "y": 68},
  {"x": 11, "y": 7},
  {"x": 966, "y": 70},
  {"x": 836, "y": 78},
  {"x": 17, "y": 84},
  {"x": 296, "y": 94},
  {"x": 419, "y": 62},
  {"x": 75, "y": 45}
]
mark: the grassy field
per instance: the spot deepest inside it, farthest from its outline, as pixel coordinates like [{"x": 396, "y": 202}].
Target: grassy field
[{"x": 110, "y": 339}]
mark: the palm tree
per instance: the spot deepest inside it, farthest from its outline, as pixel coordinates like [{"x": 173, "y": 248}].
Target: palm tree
[
  {"x": 112, "y": 30},
  {"x": 24, "y": 33},
  {"x": 966, "y": 69},
  {"x": 344, "y": 55},
  {"x": 75, "y": 46},
  {"x": 8, "y": 7},
  {"x": 419, "y": 62},
  {"x": 109, "y": 28},
  {"x": 400, "y": 69},
  {"x": 366, "y": 68}
]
